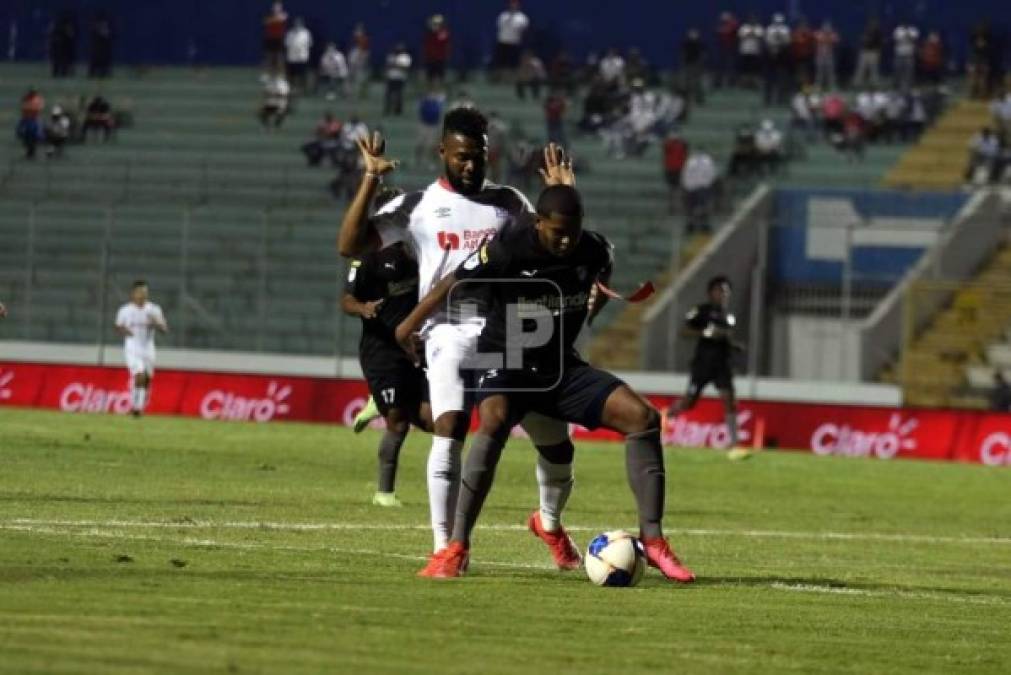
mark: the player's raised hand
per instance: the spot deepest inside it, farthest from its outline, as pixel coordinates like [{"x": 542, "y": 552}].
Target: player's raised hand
[
  {"x": 557, "y": 169},
  {"x": 372, "y": 149}
]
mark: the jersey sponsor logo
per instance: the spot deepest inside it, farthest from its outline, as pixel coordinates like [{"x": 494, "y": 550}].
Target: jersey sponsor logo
[
  {"x": 389, "y": 266},
  {"x": 449, "y": 241},
  {"x": 219, "y": 404},
  {"x": 80, "y": 397},
  {"x": 842, "y": 439}
]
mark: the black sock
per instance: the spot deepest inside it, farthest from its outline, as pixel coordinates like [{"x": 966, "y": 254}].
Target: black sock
[
  {"x": 478, "y": 474},
  {"x": 389, "y": 452},
  {"x": 644, "y": 462}
]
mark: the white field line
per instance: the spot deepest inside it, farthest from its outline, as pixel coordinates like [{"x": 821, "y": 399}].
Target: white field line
[
  {"x": 906, "y": 538},
  {"x": 211, "y": 543}
]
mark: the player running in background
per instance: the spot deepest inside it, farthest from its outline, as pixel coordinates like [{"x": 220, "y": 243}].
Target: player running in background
[
  {"x": 442, "y": 225},
  {"x": 137, "y": 321},
  {"x": 382, "y": 289},
  {"x": 712, "y": 324},
  {"x": 544, "y": 272}
]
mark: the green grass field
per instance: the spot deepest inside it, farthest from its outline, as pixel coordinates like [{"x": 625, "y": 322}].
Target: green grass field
[{"x": 171, "y": 545}]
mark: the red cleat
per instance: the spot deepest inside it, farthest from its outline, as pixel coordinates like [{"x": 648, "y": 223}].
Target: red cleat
[
  {"x": 560, "y": 543},
  {"x": 447, "y": 563},
  {"x": 660, "y": 556}
]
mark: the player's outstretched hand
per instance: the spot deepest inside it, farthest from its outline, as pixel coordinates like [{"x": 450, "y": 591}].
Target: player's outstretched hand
[
  {"x": 370, "y": 310},
  {"x": 409, "y": 341},
  {"x": 372, "y": 149},
  {"x": 557, "y": 168}
]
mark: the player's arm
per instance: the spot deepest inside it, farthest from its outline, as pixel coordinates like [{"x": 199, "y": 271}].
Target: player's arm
[
  {"x": 598, "y": 299},
  {"x": 694, "y": 325},
  {"x": 121, "y": 326},
  {"x": 158, "y": 321},
  {"x": 354, "y": 307},
  {"x": 357, "y": 235},
  {"x": 359, "y": 285}
]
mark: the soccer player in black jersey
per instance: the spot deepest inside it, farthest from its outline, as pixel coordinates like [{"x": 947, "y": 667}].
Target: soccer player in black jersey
[
  {"x": 544, "y": 271},
  {"x": 712, "y": 324}
]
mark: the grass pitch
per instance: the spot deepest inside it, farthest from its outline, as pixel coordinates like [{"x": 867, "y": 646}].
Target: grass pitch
[{"x": 173, "y": 545}]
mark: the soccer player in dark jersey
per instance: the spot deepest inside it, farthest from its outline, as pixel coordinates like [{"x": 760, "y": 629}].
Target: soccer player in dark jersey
[
  {"x": 382, "y": 289},
  {"x": 712, "y": 324},
  {"x": 544, "y": 272}
]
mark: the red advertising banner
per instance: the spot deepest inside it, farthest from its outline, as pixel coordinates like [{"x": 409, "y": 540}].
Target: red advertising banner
[{"x": 850, "y": 431}]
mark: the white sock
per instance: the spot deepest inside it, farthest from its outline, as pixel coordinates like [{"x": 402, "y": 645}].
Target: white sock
[
  {"x": 137, "y": 398},
  {"x": 444, "y": 466},
  {"x": 555, "y": 483},
  {"x": 145, "y": 396}
]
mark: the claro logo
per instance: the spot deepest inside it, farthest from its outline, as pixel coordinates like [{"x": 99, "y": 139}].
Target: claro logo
[
  {"x": 996, "y": 449},
  {"x": 842, "y": 439},
  {"x": 80, "y": 397},
  {"x": 686, "y": 433},
  {"x": 226, "y": 405}
]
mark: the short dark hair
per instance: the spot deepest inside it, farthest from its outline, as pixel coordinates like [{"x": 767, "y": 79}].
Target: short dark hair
[
  {"x": 137, "y": 284},
  {"x": 562, "y": 200},
  {"x": 718, "y": 281},
  {"x": 467, "y": 121}
]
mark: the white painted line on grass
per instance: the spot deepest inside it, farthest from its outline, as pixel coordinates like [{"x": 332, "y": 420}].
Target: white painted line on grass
[
  {"x": 900, "y": 537},
  {"x": 891, "y": 593}
]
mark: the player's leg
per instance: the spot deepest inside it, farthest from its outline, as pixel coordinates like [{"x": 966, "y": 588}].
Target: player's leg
[
  {"x": 630, "y": 414},
  {"x": 368, "y": 413},
  {"x": 725, "y": 385},
  {"x": 555, "y": 480},
  {"x": 397, "y": 425},
  {"x": 138, "y": 368},
  {"x": 397, "y": 391}
]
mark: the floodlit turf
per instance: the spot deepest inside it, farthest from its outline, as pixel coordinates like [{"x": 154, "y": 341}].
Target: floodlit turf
[{"x": 170, "y": 545}]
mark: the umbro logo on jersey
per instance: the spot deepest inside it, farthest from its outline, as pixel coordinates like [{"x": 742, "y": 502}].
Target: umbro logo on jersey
[
  {"x": 443, "y": 212},
  {"x": 449, "y": 241},
  {"x": 390, "y": 266},
  {"x": 528, "y": 273}
]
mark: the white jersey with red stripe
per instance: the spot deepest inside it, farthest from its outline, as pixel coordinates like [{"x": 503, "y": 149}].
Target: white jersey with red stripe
[{"x": 442, "y": 227}]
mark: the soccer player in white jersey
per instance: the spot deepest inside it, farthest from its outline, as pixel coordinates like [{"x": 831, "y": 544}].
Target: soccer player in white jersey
[
  {"x": 442, "y": 225},
  {"x": 137, "y": 321}
]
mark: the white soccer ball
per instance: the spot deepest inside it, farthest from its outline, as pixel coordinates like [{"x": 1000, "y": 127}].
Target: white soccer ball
[{"x": 615, "y": 559}]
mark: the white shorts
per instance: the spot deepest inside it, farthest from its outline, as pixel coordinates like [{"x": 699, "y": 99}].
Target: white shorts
[
  {"x": 140, "y": 362},
  {"x": 446, "y": 348}
]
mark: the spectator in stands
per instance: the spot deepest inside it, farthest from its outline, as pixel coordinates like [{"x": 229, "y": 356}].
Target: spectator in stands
[
  {"x": 693, "y": 52},
  {"x": 698, "y": 180},
  {"x": 802, "y": 47},
  {"x": 612, "y": 70},
  {"x": 359, "y": 57},
  {"x": 916, "y": 116},
  {"x": 826, "y": 43},
  {"x": 435, "y": 50},
  {"x": 555, "y": 106},
  {"x": 596, "y": 108},
  {"x": 498, "y": 145},
  {"x": 802, "y": 114},
  {"x": 561, "y": 73},
  {"x": 511, "y": 27},
  {"x": 523, "y": 162},
  {"x": 637, "y": 67},
  {"x": 895, "y": 116},
  {"x": 726, "y": 50},
  {"x": 333, "y": 72},
  {"x": 349, "y": 170},
  {"x": 870, "y": 113},
  {"x": 1000, "y": 108},
  {"x": 57, "y": 132},
  {"x": 298, "y": 47},
  {"x": 854, "y": 134},
  {"x": 980, "y": 56},
  {"x": 276, "y": 95},
  {"x": 675, "y": 154},
  {"x": 275, "y": 25},
  {"x": 984, "y": 156},
  {"x": 743, "y": 155},
  {"x": 777, "y": 60},
  {"x": 98, "y": 117},
  {"x": 1000, "y": 397},
  {"x": 833, "y": 111},
  {"x": 905, "y": 38},
  {"x": 750, "y": 43},
  {"x": 326, "y": 142},
  {"x": 530, "y": 75},
  {"x": 430, "y": 109},
  {"x": 769, "y": 150},
  {"x": 100, "y": 64},
  {"x": 932, "y": 59},
  {"x": 29, "y": 129},
  {"x": 398, "y": 67},
  {"x": 868, "y": 71},
  {"x": 63, "y": 44}
]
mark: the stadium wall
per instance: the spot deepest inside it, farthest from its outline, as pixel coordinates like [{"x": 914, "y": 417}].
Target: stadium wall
[
  {"x": 824, "y": 429},
  {"x": 228, "y": 31}
]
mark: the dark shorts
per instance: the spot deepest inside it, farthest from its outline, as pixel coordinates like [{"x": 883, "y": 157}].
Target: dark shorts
[
  {"x": 506, "y": 56},
  {"x": 706, "y": 372},
  {"x": 395, "y": 382},
  {"x": 673, "y": 178},
  {"x": 273, "y": 45},
  {"x": 435, "y": 70},
  {"x": 577, "y": 396}
]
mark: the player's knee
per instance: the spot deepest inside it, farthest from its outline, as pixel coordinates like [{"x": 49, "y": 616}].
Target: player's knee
[
  {"x": 397, "y": 421},
  {"x": 640, "y": 417}
]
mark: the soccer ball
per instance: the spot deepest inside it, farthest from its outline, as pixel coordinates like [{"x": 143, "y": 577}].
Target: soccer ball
[{"x": 615, "y": 559}]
